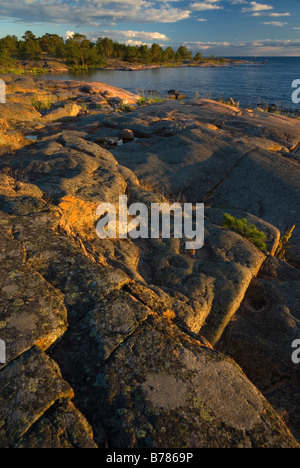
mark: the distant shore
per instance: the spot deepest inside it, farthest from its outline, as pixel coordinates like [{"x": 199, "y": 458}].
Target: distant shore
[{"x": 43, "y": 67}]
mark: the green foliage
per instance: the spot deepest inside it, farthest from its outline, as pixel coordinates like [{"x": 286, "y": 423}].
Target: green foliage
[
  {"x": 37, "y": 71},
  {"x": 52, "y": 45},
  {"x": 249, "y": 231},
  {"x": 168, "y": 55},
  {"x": 5, "y": 59},
  {"x": 16, "y": 71},
  {"x": 82, "y": 54},
  {"x": 105, "y": 47},
  {"x": 8, "y": 51},
  {"x": 198, "y": 57},
  {"x": 9, "y": 44},
  {"x": 145, "y": 55},
  {"x": 157, "y": 53},
  {"x": 284, "y": 244},
  {"x": 42, "y": 105},
  {"x": 149, "y": 97},
  {"x": 229, "y": 102},
  {"x": 183, "y": 53},
  {"x": 29, "y": 47},
  {"x": 126, "y": 108},
  {"x": 22, "y": 71},
  {"x": 141, "y": 101}
]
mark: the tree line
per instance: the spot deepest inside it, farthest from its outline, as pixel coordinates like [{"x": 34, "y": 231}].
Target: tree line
[{"x": 80, "y": 52}]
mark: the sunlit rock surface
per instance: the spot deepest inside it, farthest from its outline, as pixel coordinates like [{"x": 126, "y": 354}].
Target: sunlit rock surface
[{"x": 122, "y": 343}]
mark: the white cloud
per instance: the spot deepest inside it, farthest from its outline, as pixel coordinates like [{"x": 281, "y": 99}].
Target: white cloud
[
  {"x": 69, "y": 34},
  {"x": 129, "y": 37},
  {"x": 275, "y": 23},
  {"x": 92, "y": 12},
  {"x": 257, "y": 7},
  {"x": 273, "y": 15},
  {"x": 259, "y": 48},
  {"x": 206, "y": 5}
]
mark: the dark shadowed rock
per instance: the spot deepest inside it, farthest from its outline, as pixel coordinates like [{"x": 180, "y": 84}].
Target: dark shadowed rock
[
  {"x": 63, "y": 426},
  {"x": 182, "y": 395},
  {"x": 29, "y": 387},
  {"x": 260, "y": 338}
]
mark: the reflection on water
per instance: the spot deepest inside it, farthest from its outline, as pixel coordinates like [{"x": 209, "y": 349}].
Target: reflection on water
[{"x": 251, "y": 84}]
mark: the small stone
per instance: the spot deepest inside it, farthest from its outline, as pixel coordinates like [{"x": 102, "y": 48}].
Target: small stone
[{"x": 127, "y": 135}]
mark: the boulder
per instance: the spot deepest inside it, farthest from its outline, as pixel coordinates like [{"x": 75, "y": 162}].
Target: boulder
[
  {"x": 69, "y": 109},
  {"x": 127, "y": 134},
  {"x": 117, "y": 102},
  {"x": 89, "y": 89}
]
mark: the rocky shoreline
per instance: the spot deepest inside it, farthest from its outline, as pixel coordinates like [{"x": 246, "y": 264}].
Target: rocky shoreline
[
  {"x": 132, "y": 344},
  {"x": 204, "y": 64},
  {"x": 59, "y": 66}
]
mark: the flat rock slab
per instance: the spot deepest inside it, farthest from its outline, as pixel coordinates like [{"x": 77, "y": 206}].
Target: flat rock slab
[
  {"x": 205, "y": 110},
  {"x": 32, "y": 311},
  {"x": 28, "y": 387},
  {"x": 62, "y": 426},
  {"x": 133, "y": 349},
  {"x": 95, "y": 337},
  {"x": 190, "y": 163},
  {"x": 9, "y": 187},
  {"x": 211, "y": 281},
  {"x": 260, "y": 338},
  {"x": 182, "y": 395},
  {"x": 65, "y": 264},
  {"x": 15, "y": 112},
  {"x": 68, "y": 166},
  {"x": 266, "y": 186},
  {"x": 277, "y": 128},
  {"x": 229, "y": 158}
]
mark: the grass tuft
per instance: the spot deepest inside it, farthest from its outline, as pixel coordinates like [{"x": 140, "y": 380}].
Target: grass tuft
[
  {"x": 249, "y": 231},
  {"x": 42, "y": 105},
  {"x": 284, "y": 244}
]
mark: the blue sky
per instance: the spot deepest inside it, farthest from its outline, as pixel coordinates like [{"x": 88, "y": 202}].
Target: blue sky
[{"x": 219, "y": 27}]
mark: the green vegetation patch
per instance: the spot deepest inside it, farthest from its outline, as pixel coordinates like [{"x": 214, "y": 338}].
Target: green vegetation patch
[
  {"x": 42, "y": 105},
  {"x": 80, "y": 54},
  {"x": 249, "y": 231},
  {"x": 149, "y": 97}
]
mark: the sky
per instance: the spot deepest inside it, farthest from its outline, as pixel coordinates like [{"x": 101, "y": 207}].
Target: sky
[{"x": 218, "y": 27}]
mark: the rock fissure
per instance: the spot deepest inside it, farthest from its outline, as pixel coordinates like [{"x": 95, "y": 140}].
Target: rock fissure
[{"x": 126, "y": 328}]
